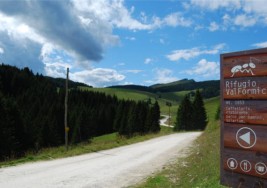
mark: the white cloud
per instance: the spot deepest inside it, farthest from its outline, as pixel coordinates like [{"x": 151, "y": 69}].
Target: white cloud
[
  {"x": 130, "y": 38},
  {"x": 19, "y": 31},
  {"x": 121, "y": 64},
  {"x": 216, "y": 4},
  {"x": 176, "y": 19},
  {"x": 198, "y": 27},
  {"x": 148, "y": 61},
  {"x": 98, "y": 77},
  {"x": 20, "y": 52},
  {"x": 56, "y": 69},
  {"x": 187, "y": 54},
  {"x": 133, "y": 71},
  {"x": 213, "y": 26},
  {"x": 260, "y": 45},
  {"x": 1, "y": 50},
  {"x": 255, "y": 6},
  {"x": 205, "y": 68},
  {"x": 162, "y": 76},
  {"x": 245, "y": 21},
  {"x": 251, "y": 11},
  {"x": 143, "y": 17},
  {"x": 115, "y": 14},
  {"x": 128, "y": 83}
]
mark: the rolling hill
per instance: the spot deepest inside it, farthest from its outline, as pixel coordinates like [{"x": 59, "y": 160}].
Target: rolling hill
[{"x": 209, "y": 88}]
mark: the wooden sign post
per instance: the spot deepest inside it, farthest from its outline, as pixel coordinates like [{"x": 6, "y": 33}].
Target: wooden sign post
[{"x": 244, "y": 119}]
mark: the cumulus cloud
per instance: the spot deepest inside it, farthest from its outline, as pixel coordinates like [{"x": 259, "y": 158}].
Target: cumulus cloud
[
  {"x": 205, "y": 68},
  {"x": 187, "y": 54},
  {"x": 214, "y": 5},
  {"x": 162, "y": 76},
  {"x": 148, "y": 61},
  {"x": 98, "y": 77},
  {"x": 245, "y": 21},
  {"x": 49, "y": 36},
  {"x": 213, "y": 26},
  {"x": 260, "y": 45},
  {"x": 115, "y": 14},
  {"x": 258, "y": 7},
  {"x": 55, "y": 21},
  {"x": 135, "y": 71},
  {"x": 21, "y": 55},
  {"x": 130, "y": 38},
  {"x": 1, "y": 50},
  {"x": 250, "y": 12},
  {"x": 176, "y": 19}
]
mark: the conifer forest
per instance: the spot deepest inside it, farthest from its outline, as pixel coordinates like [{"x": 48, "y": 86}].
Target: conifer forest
[{"x": 32, "y": 113}]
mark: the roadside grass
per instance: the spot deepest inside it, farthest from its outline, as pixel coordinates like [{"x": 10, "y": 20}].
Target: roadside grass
[
  {"x": 201, "y": 168},
  {"x": 96, "y": 144}
]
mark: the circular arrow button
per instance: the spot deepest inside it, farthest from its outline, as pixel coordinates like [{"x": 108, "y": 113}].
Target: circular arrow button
[{"x": 246, "y": 137}]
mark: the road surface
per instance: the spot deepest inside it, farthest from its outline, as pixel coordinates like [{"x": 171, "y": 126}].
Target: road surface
[
  {"x": 164, "y": 120},
  {"x": 119, "y": 167}
]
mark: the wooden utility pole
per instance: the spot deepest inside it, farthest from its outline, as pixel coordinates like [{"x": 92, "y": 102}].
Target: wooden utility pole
[
  {"x": 66, "y": 111},
  {"x": 169, "y": 105}
]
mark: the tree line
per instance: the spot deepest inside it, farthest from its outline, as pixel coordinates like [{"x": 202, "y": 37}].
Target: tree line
[
  {"x": 32, "y": 113},
  {"x": 191, "y": 115}
]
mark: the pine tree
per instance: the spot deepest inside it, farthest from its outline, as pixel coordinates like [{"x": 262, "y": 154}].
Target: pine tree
[
  {"x": 148, "y": 122},
  {"x": 118, "y": 116},
  {"x": 199, "y": 116},
  {"x": 155, "y": 127},
  {"x": 184, "y": 115}
]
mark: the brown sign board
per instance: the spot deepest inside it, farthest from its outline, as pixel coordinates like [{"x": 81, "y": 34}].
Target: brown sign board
[
  {"x": 250, "y": 138},
  {"x": 244, "y": 118},
  {"x": 245, "y": 65},
  {"x": 245, "y": 111},
  {"x": 244, "y": 162},
  {"x": 244, "y": 88}
]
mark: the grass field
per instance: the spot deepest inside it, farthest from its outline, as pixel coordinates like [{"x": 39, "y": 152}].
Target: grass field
[{"x": 201, "y": 168}]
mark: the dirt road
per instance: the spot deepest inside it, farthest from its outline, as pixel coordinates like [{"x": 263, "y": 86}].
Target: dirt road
[
  {"x": 119, "y": 167},
  {"x": 164, "y": 120}
]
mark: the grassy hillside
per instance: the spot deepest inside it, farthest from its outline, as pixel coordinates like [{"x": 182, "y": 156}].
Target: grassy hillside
[
  {"x": 201, "y": 168},
  {"x": 173, "y": 97},
  {"x": 210, "y": 88},
  {"x": 125, "y": 93},
  {"x": 179, "y": 82}
]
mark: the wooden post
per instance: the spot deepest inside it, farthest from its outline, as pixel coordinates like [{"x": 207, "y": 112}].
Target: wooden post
[
  {"x": 169, "y": 115},
  {"x": 169, "y": 105},
  {"x": 66, "y": 111}
]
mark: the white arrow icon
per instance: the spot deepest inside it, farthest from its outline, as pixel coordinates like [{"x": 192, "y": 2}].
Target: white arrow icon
[{"x": 246, "y": 137}]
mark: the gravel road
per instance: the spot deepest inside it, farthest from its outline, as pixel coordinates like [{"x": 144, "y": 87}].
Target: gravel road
[
  {"x": 164, "y": 120},
  {"x": 119, "y": 167}
]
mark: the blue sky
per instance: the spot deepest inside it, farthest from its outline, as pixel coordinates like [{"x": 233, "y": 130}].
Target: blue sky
[{"x": 144, "y": 42}]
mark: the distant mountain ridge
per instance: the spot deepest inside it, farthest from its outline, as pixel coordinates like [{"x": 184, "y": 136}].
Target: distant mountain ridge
[
  {"x": 209, "y": 88},
  {"x": 183, "y": 81}
]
